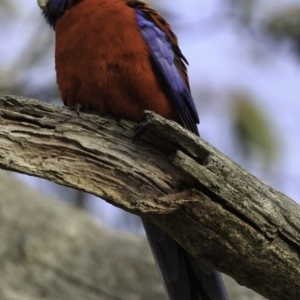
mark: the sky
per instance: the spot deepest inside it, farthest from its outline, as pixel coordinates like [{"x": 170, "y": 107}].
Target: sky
[{"x": 221, "y": 58}]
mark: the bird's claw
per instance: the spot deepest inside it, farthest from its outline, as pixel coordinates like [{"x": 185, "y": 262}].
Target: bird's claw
[{"x": 80, "y": 108}]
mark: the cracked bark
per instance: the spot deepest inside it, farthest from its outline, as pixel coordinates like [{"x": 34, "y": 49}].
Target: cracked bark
[
  {"x": 50, "y": 250},
  {"x": 224, "y": 216}
]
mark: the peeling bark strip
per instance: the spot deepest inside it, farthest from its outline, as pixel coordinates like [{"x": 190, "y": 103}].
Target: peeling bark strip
[{"x": 225, "y": 217}]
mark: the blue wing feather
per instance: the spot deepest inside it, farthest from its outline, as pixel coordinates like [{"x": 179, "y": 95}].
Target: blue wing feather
[{"x": 163, "y": 60}]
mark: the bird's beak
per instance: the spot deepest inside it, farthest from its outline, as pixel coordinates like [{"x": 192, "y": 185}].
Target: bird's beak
[{"x": 43, "y": 4}]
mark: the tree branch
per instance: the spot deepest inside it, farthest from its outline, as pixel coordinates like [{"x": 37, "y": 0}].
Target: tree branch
[
  {"x": 224, "y": 216},
  {"x": 50, "y": 250},
  {"x": 53, "y": 251}
]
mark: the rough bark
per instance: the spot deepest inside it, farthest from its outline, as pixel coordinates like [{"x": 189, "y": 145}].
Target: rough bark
[
  {"x": 50, "y": 250},
  {"x": 224, "y": 216}
]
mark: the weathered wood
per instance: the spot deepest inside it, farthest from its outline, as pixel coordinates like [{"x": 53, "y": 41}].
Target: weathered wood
[
  {"x": 50, "y": 250},
  {"x": 221, "y": 214},
  {"x": 91, "y": 153}
]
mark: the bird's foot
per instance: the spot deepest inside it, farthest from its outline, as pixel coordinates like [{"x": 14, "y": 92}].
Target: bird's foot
[{"x": 80, "y": 108}]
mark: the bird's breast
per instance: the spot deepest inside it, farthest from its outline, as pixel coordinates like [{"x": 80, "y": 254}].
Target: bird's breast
[{"x": 102, "y": 60}]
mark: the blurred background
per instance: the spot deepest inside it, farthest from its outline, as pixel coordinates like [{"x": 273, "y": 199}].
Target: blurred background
[{"x": 244, "y": 73}]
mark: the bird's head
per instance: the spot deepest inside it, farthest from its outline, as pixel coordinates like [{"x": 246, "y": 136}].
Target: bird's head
[{"x": 54, "y": 9}]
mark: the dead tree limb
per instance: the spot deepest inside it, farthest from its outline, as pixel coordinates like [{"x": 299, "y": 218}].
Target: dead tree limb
[
  {"x": 224, "y": 216},
  {"x": 52, "y": 251}
]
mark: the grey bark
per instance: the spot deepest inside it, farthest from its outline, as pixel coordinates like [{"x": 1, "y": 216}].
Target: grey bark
[
  {"x": 53, "y": 251},
  {"x": 50, "y": 250},
  {"x": 224, "y": 216}
]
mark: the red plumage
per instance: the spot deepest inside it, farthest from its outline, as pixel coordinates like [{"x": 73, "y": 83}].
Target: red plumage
[{"x": 107, "y": 66}]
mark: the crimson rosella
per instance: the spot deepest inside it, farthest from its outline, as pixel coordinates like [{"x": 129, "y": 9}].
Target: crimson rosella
[{"x": 121, "y": 57}]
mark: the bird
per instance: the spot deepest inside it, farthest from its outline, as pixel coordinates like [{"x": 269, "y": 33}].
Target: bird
[{"x": 121, "y": 57}]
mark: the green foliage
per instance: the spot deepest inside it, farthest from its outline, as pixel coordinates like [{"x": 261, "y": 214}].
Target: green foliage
[
  {"x": 286, "y": 24},
  {"x": 254, "y": 132},
  {"x": 6, "y": 9}
]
